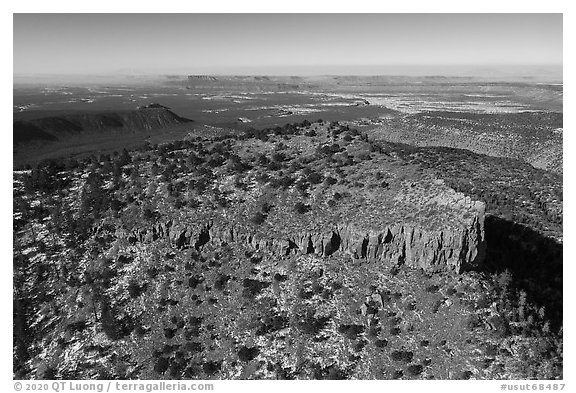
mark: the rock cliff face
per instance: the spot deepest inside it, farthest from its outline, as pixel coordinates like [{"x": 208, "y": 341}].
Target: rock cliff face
[
  {"x": 192, "y": 78},
  {"x": 447, "y": 249}
]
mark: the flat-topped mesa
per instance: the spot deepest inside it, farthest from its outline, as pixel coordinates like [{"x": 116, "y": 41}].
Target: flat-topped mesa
[
  {"x": 383, "y": 209},
  {"x": 202, "y": 78}
]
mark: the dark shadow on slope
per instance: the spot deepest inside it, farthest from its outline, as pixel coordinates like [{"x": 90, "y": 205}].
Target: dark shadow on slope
[
  {"x": 24, "y": 132},
  {"x": 310, "y": 247},
  {"x": 203, "y": 238},
  {"x": 333, "y": 245},
  {"x": 535, "y": 262}
]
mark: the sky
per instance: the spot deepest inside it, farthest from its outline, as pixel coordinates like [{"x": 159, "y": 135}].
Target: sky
[{"x": 282, "y": 43}]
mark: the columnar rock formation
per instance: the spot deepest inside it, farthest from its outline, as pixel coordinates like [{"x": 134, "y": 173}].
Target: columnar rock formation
[{"x": 448, "y": 248}]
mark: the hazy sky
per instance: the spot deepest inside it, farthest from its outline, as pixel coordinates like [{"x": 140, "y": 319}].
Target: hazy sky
[{"x": 281, "y": 43}]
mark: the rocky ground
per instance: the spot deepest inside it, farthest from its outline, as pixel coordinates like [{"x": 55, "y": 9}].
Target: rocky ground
[{"x": 296, "y": 252}]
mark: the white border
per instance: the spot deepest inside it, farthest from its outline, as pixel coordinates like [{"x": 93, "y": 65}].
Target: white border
[{"x": 168, "y": 6}]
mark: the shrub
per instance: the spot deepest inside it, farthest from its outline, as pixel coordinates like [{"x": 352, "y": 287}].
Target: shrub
[
  {"x": 283, "y": 181},
  {"x": 193, "y": 347},
  {"x": 395, "y": 331},
  {"x": 272, "y": 323},
  {"x": 169, "y": 333},
  {"x": 194, "y": 281},
  {"x": 220, "y": 283},
  {"x": 258, "y": 218},
  {"x": 308, "y": 323},
  {"x": 280, "y": 277},
  {"x": 211, "y": 367},
  {"x": 414, "y": 369},
  {"x": 373, "y": 331},
  {"x": 358, "y": 346},
  {"x": 274, "y": 166},
  {"x": 266, "y": 207},
  {"x": 330, "y": 180},
  {"x": 351, "y": 331},
  {"x": 404, "y": 356},
  {"x": 246, "y": 354},
  {"x": 314, "y": 178},
  {"x": 301, "y": 208},
  {"x": 472, "y": 322},
  {"x": 135, "y": 290},
  {"x": 381, "y": 343},
  {"x": 278, "y": 156},
  {"x": 236, "y": 165},
  {"x": 365, "y": 156},
  {"x": 334, "y": 373},
  {"x": 263, "y": 160},
  {"x": 161, "y": 365},
  {"x": 253, "y": 287}
]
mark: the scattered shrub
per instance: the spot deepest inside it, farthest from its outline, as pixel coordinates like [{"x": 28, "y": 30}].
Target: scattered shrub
[
  {"x": 414, "y": 369},
  {"x": 395, "y": 331},
  {"x": 314, "y": 178},
  {"x": 381, "y": 343},
  {"x": 301, "y": 208},
  {"x": 351, "y": 331},
  {"x": 258, "y": 218},
  {"x": 330, "y": 181},
  {"x": 402, "y": 356},
  {"x": 161, "y": 365},
  {"x": 246, "y": 354},
  {"x": 211, "y": 367},
  {"x": 308, "y": 323},
  {"x": 253, "y": 287},
  {"x": 135, "y": 290}
]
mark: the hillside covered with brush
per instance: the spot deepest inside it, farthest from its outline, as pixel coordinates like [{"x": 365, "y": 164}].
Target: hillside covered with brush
[{"x": 304, "y": 251}]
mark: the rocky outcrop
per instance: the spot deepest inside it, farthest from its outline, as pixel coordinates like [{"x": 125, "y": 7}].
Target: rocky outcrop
[
  {"x": 447, "y": 249},
  {"x": 210, "y": 78}
]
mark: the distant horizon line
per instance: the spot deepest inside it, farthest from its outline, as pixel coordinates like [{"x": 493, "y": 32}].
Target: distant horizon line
[
  {"x": 266, "y": 70},
  {"x": 258, "y": 71}
]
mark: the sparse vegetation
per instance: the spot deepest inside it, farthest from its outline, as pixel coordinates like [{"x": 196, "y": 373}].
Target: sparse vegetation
[{"x": 207, "y": 258}]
